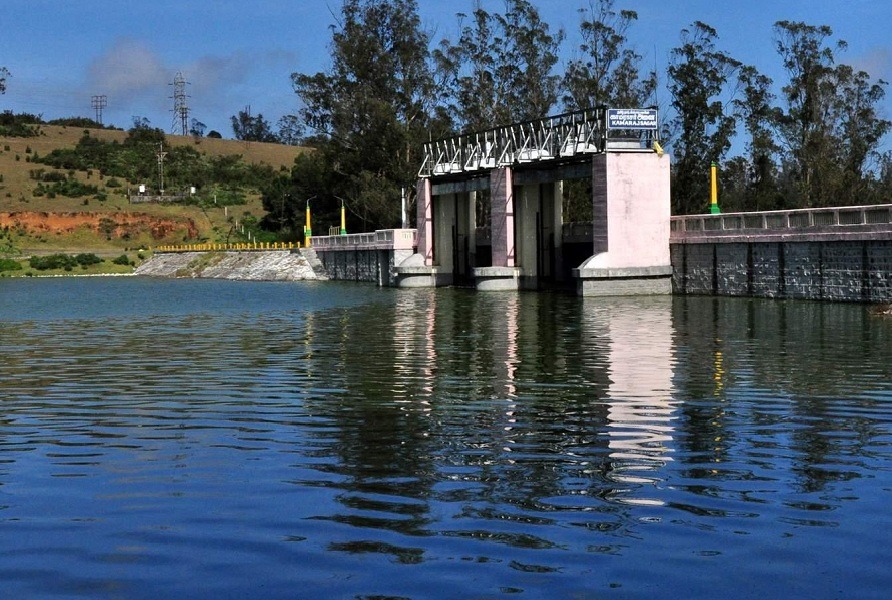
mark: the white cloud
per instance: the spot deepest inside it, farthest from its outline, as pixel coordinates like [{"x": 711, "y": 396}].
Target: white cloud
[
  {"x": 128, "y": 70},
  {"x": 137, "y": 80}
]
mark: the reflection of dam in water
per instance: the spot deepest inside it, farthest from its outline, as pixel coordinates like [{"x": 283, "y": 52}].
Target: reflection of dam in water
[
  {"x": 613, "y": 392},
  {"x": 640, "y": 412},
  {"x": 414, "y": 344}
]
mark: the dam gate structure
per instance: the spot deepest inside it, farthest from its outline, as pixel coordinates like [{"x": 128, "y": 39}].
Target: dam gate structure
[{"x": 490, "y": 207}]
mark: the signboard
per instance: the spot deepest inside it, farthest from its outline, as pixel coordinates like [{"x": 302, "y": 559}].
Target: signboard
[{"x": 632, "y": 118}]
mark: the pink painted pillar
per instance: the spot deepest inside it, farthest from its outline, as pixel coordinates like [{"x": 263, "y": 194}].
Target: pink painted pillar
[
  {"x": 501, "y": 185},
  {"x": 425, "y": 220}
]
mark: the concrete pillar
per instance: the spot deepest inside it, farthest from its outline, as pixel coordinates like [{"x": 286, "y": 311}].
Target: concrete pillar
[
  {"x": 418, "y": 270},
  {"x": 425, "y": 221},
  {"x": 502, "y": 217},
  {"x": 504, "y": 274},
  {"x": 631, "y": 209}
]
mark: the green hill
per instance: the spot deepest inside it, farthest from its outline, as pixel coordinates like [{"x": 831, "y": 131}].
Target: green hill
[{"x": 70, "y": 206}]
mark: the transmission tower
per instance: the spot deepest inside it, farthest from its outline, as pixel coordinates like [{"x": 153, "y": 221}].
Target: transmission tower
[
  {"x": 98, "y": 103},
  {"x": 180, "y": 107}
]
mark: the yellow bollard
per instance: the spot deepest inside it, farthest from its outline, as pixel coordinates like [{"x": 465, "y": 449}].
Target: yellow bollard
[
  {"x": 308, "y": 230},
  {"x": 714, "y": 190}
]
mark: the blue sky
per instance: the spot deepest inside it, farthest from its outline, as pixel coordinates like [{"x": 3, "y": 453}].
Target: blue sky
[{"x": 237, "y": 53}]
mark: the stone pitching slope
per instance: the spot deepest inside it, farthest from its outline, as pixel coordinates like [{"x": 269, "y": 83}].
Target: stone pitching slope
[{"x": 249, "y": 266}]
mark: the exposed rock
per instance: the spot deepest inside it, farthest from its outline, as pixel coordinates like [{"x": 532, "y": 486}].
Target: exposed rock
[
  {"x": 255, "y": 266},
  {"x": 111, "y": 224}
]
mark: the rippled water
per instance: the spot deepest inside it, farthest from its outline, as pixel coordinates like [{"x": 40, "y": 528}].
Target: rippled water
[{"x": 206, "y": 439}]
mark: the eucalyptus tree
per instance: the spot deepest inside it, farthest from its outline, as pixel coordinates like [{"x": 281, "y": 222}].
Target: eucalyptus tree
[
  {"x": 805, "y": 123},
  {"x": 291, "y": 130},
  {"x": 4, "y": 73},
  {"x": 858, "y": 131},
  {"x": 368, "y": 113},
  {"x": 500, "y": 70},
  {"x": 607, "y": 70},
  {"x": 829, "y": 126},
  {"x": 758, "y": 168},
  {"x": 699, "y": 76},
  {"x": 252, "y": 128}
]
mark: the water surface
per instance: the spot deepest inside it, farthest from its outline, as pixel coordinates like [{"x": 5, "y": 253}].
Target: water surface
[{"x": 208, "y": 439}]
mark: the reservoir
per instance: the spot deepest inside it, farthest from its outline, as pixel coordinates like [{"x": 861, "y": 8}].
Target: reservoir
[{"x": 217, "y": 439}]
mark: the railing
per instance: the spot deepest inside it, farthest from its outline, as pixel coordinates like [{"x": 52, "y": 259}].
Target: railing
[
  {"x": 220, "y": 247},
  {"x": 783, "y": 221},
  {"x": 382, "y": 239}
]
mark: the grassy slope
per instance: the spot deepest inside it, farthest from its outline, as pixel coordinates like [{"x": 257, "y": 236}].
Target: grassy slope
[{"x": 16, "y": 189}]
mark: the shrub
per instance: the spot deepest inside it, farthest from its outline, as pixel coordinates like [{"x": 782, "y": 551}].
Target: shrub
[
  {"x": 122, "y": 260},
  {"x": 7, "y": 264},
  {"x": 86, "y": 260},
  {"x": 53, "y": 261}
]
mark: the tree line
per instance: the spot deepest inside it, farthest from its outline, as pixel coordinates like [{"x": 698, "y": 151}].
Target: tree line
[{"x": 811, "y": 140}]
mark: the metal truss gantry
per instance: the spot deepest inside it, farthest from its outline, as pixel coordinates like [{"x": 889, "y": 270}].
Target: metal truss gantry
[{"x": 562, "y": 137}]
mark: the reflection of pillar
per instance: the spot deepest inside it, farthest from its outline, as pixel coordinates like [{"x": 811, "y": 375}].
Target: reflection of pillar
[
  {"x": 404, "y": 326},
  {"x": 641, "y": 408},
  {"x": 425, "y": 221},
  {"x": 501, "y": 315},
  {"x": 414, "y": 342},
  {"x": 430, "y": 347},
  {"x": 502, "y": 217},
  {"x": 505, "y": 351}
]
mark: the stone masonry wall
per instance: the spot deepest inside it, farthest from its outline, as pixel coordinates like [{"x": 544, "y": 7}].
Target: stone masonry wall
[
  {"x": 803, "y": 271},
  {"x": 879, "y": 271},
  {"x": 731, "y": 269},
  {"x": 850, "y": 271},
  {"x": 369, "y": 265},
  {"x": 766, "y": 269}
]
